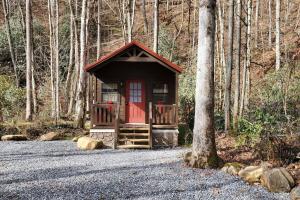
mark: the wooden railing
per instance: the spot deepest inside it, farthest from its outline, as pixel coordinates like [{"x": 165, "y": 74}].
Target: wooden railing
[
  {"x": 104, "y": 114},
  {"x": 164, "y": 115}
]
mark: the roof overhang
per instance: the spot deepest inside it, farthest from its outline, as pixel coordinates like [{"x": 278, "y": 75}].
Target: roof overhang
[{"x": 151, "y": 57}]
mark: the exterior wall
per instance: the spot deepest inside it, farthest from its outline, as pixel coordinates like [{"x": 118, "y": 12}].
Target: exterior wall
[
  {"x": 105, "y": 135},
  {"x": 119, "y": 72},
  {"x": 165, "y": 137}
]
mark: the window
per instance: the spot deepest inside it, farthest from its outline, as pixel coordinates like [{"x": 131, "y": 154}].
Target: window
[
  {"x": 160, "y": 93},
  {"x": 109, "y": 92},
  {"x": 135, "y": 92}
]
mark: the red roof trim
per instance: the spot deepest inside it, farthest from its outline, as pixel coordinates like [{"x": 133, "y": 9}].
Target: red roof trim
[{"x": 133, "y": 43}]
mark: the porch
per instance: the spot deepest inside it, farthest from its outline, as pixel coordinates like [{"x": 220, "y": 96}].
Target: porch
[{"x": 105, "y": 121}]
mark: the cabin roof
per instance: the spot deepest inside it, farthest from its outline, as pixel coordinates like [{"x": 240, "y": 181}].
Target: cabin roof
[{"x": 117, "y": 52}]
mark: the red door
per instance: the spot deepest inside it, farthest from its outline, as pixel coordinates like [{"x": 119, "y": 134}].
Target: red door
[{"x": 135, "y": 101}]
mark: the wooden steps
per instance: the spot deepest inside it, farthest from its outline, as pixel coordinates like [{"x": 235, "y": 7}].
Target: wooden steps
[{"x": 134, "y": 136}]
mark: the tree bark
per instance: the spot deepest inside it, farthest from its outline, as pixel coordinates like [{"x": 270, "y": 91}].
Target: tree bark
[
  {"x": 145, "y": 16},
  {"x": 156, "y": 25},
  {"x": 204, "y": 154},
  {"x": 80, "y": 103},
  {"x": 130, "y": 18},
  {"x": 227, "y": 104},
  {"x": 71, "y": 59},
  {"x": 246, "y": 71},
  {"x": 277, "y": 48},
  {"x": 28, "y": 60},
  {"x": 99, "y": 29},
  {"x": 256, "y": 21},
  {"x": 237, "y": 66},
  {"x": 9, "y": 39},
  {"x": 270, "y": 23}
]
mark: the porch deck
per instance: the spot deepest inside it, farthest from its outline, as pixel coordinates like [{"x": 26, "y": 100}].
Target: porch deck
[{"x": 106, "y": 118}]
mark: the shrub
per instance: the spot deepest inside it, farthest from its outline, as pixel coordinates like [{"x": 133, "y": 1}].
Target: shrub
[{"x": 12, "y": 98}]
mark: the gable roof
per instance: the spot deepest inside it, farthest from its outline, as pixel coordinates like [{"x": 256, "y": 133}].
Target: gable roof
[{"x": 127, "y": 46}]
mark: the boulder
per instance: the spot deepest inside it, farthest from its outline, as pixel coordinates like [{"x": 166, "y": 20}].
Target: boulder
[
  {"x": 233, "y": 168},
  {"x": 87, "y": 143},
  {"x": 295, "y": 193},
  {"x": 50, "y": 136},
  {"x": 277, "y": 180},
  {"x": 187, "y": 157},
  {"x": 13, "y": 138},
  {"x": 251, "y": 174},
  {"x": 75, "y": 139}
]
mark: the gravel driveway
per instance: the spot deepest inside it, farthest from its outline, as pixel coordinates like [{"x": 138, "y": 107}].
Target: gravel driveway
[{"x": 58, "y": 170}]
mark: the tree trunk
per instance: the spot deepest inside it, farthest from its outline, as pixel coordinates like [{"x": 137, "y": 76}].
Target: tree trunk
[
  {"x": 246, "y": 70},
  {"x": 270, "y": 23},
  {"x": 9, "y": 39},
  {"x": 99, "y": 30},
  {"x": 57, "y": 110},
  {"x": 28, "y": 61},
  {"x": 130, "y": 18},
  {"x": 228, "y": 77},
  {"x": 145, "y": 17},
  {"x": 221, "y": 24},
  {"x": 204, "y": 154},
  {"x": 156, "y": 25},
  {"x": 256, "y": 22},
  {"x": 80, "y": 103},
  {"x": 277, "y": 49},
  {"x": 74, "y": 82},
  {"x": 71, "y": 59},
  {"x": 237, "y": 66}
]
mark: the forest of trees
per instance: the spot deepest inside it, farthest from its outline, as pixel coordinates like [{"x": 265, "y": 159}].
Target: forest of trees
[{"x": 254, "y": 77}]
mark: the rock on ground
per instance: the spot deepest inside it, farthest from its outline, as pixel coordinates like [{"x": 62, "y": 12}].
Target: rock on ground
[
  {"x": 59, "y": 170},
  {"x": 251, "y": 174},
  {"x": 50, "y": 136},
  {"x": 277, "y": 180},
  {"x": 295, "y": 193},
  {"x": 13, "y": 138},
  {"x": 87, "y": 143}
]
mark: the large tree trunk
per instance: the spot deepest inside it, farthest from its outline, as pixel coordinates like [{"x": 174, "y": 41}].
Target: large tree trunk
[
  {"x": 9, "y": 39},
  {"x": 156, "y": 25},
  {"x": 237, "y": 66},
  {"x": 277, "y": 49},
  {"x": 228, "y": 77},
  {"x": 28, "y": 60},
  {"x": 204, "y": 154},
  {"x": 81, "y": 93}
]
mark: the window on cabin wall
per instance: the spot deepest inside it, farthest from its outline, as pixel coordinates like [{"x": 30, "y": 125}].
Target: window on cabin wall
[
  {"x": 160, "y": 93},
  {"x": 109, "y": 92}
]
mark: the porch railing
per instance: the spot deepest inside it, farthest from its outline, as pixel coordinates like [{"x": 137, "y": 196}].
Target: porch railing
[
  {"x": 104, "y": 114},
  {"x": 164, "y": 114}
]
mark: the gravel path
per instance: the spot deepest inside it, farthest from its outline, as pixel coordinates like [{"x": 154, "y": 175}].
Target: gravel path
[{"x": 58, "y": 170}]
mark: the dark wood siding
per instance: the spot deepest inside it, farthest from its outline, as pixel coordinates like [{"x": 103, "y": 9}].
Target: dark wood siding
[{"x": 119, "y": 72}]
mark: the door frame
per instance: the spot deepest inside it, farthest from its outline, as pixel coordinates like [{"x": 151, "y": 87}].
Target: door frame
[{"x": 127, "y": 96}]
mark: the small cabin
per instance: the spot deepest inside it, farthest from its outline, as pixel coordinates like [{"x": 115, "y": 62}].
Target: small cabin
[{"x": 134, "y": 98}]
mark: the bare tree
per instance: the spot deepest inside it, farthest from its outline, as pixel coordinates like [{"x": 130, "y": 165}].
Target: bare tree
[
  {"x": 270, "y": 23},
  {"x": 54, "y": 55},
  {"x": 256, "y": 21},
  {"x": 237, "y": 66},
  {"x": 81, "y": 92},
  {"x": 9, "y": 38},
  {"x": 204, "y": 152},
  {"x": 228, "y": 76},
  {"x": 130, "y": 18},
  {"x": 246, "y": 70},
  {"x": 145, "y": 16},
  {"x": 28, "y": 60},
  {"x": 156, "y": 25},
  {"x": 99, "y": 29},
  {"x": 277, "y": 45}
]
